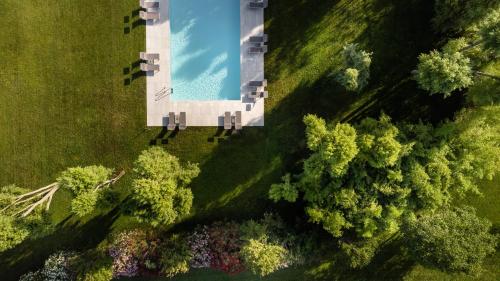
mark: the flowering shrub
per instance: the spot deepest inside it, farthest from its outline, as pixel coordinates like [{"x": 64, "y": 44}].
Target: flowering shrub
[
  {"x": 198, "y": 243},
  {"x": 224, "y": 245},
  {"x": 132, "y": 251},
  {"x": 56, "y": 268}
]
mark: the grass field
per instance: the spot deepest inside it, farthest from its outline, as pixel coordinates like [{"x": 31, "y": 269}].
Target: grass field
[{"x": 72, "y": 94}]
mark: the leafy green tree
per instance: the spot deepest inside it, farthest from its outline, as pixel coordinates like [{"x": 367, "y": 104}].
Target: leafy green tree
[
  {"x": 454, "y": 67},
  {"x": 85, "y": 184},
  {"x": 261, "y": 257},
  {"x": 14, "y": 230},
  {"x": 356, "y": 68},
  {"x": 458, "y": 15},
  {"x": 361, "y": 181},
  {"x": 160, "y": 195},
  {"x": 489, "y": 31},
  {"x": 443, "y": 73},
  {"x": 452, "y": 240},
  {"x": 473, "y": 140}
]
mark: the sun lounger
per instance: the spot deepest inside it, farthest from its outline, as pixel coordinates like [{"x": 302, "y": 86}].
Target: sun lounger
[
  {"x": 171, "y": 121},
  {"x": 237, "y": 123},
  {"x": 258, "y": 50},
  {"x": 149, "y": 56},
  {"x": 182, "y": 121},
  {"x": 149, "y": 67},
  {"x": 228, "y": 124},
  {"x": 258, "y": 39},
  {"x": 149, "y": 4},
  {"x": 258, "y": 4},
  {"x": 258, "y": 83},
  {"x": 149, "y": 15}
]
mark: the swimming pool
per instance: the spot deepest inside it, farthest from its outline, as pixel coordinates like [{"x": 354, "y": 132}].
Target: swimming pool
[{"x": 205, "y": 49}]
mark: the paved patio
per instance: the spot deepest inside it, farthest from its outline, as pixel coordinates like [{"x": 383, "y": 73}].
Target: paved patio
[{"x": 203, "y": 113}]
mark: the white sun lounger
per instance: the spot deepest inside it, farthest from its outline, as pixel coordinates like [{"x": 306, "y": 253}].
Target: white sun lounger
[
  {"x": 171, "y": 121},
  {"x": 149, "y": 56},
  {"x": 149, "y": 67},
  {"x": 228, "y": 124},
  {"x": 238, "y": 125},
  {"x": 182, "y": 121},
  {"x": 149, "y": 4},
  {"x": 149, "y": 15}
]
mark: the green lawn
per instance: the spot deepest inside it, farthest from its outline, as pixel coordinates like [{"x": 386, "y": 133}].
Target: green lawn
[{"x": 72, "y": 94}]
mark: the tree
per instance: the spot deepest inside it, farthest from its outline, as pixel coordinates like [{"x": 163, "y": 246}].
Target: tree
[
  {"x": 160, "y": 195},
  {"x": 361, "y": 181},
  {"x": 458, "y": 15},
  {"x": 14, "y": 230},
  {"x": 473, "y": 140},
  {"x": 262, "y": 258},
  {"x": 86, "y": 184},
  {"x": 454, "y": 68},
  {"x": 443, "y": 72},
  {"x": 489, "y": 31},
  {"x": 450, "y": 239},
  {"x": 356, "y": 68}
]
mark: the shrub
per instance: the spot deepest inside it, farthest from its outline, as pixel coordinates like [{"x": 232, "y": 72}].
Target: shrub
[
  {"x": 263, "y": 258},
  {"x": 225, "y": 245},
  {"x": 58, "y": 267},
  {"x": 175, "y": 255},
  {"x": 452, "y": 240},
  {"x": 132, "y": 250},
  {"x": 198, "y": 243},
  {"x": 94, "y": 266}
]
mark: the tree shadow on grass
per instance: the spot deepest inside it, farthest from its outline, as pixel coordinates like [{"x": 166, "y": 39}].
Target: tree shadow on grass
[{"x": 31, "y": 254}]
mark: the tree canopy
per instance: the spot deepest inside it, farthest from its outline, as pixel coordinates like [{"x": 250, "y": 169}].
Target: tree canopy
[
  {"x": 14, "y": 230},
  {"x": 361, "y": 180},
  {"x": 443, "y": 72},
  {"x": 458, "y": 15},
  {"x": 356, "y": 68},
  {"x": 450, "y": 239},
  {"x": 160, "y": 195},
  {"x": 83, "y": 183}
]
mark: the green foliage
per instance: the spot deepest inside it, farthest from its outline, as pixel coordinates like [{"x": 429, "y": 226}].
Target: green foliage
[
  {"x": 175, "y": 255},
  {"x": 365, "y": 179},
  {"x": 443, "y": 72},
  {"x": 359, "y": 254},
  {"x": 473, "y": 138},
  {"x": 356, "y": 68},
  {"x": 93, "y": 266},
  {"x": 160, "y": 195},
  {"x": 489, "y": 31},
  {"x": 458, "y": 15},
  {"x": 262, "y": 258},
  {"x": 284, "y": 190},
  {"x": 14, "y": 230},
  {"x": 452, "y": 240},
  {"x": 82, "y": 182}
]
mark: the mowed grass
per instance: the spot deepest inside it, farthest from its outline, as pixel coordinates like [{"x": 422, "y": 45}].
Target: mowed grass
[{"x": 72, "y": 94}]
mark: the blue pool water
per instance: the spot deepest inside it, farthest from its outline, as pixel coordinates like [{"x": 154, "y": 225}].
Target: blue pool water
[{"x": 205, "y": 49}]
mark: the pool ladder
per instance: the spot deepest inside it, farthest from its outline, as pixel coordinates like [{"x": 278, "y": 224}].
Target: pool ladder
[{"x": 163, "y": 92}]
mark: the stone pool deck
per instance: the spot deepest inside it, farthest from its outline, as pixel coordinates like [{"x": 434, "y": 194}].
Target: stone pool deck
[{"x": 203, "y": 113}]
